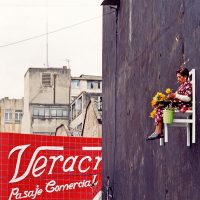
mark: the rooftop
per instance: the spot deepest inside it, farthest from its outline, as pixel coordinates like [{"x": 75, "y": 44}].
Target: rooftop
[{"x": 87, "y": 77}]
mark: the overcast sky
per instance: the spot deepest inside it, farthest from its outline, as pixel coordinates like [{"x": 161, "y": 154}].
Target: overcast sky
[{"x": 23, "y": 19}]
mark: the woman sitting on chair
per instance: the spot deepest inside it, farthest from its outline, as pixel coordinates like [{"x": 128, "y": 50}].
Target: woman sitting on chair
[{"x": 183, "y": 97}]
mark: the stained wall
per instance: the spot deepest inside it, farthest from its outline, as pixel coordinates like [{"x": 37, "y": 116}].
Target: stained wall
[{"x": 142, "y": 49}]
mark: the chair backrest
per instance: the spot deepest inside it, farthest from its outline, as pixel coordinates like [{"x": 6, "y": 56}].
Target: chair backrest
[{"x": 192, "y": 80}]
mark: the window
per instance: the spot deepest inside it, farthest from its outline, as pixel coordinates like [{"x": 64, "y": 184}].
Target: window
[
  {"x": 99, "y": 84},
  {"x": 35, "y": 111},
  {"x": 59, "y": 113},
  {"x": 50, "y": 112},
  {"x": 93, "y": 84},
  {"x": 75, "y": 84},
  {"x": 8, "y": 115},
  {"x": 18, "y": 115},
  {"x": 65, "y": 113},
  {"x": 46, "y": 112},
  {"x": 73, "y": 111},
  {"x": 41, "y": 112},
  {"x": 90, "y": 85},
  {"x": 46, "y": 79},
  {"x": 53, "y": 112},
  {"x": 38, "y": 111},
  {"x": 99, "y": 103},
  {"x": 79, "y": 105}
]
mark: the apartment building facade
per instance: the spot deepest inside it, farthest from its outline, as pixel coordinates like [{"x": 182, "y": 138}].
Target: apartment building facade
[
  {"x": 11, "y": 112},
  {"x": 85, "y": 83},
  {"x": 92, "y": 125},
  {"x": 46, "y": 100},
  {"x": 78, "y": 111}
]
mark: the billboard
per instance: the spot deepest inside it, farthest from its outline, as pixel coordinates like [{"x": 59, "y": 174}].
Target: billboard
[{"x": 49, "y": 167}]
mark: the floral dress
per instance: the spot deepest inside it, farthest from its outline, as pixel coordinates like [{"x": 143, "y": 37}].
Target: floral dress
[{"x": 184, "y": 89}]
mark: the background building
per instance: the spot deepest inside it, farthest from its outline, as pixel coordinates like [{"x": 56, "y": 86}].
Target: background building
[
  {"x": 78, "y": 111},
  {"x": 46, "y": 100},
  {"x": 11, "y": 112},
  {"x": 62, "y": 130},
  {"x": 85, "y": 83},
  {"x": 92, "y": 125}
]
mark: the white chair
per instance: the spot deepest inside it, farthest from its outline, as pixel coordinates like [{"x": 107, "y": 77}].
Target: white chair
[{"x": 187, "y": 119}]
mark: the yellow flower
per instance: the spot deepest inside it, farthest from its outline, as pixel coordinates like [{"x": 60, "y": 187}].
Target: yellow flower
[
  {"x": 160, "y": 96},
  {"x": 154, "y": 102},
  {"x": 168, "y": 91},
  {"x": 153, "y": 114}
]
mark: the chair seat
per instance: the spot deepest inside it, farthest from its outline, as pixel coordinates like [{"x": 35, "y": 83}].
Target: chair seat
[
  {"x": 177, "y": 113},
  {"x": 188, "y": 111},
  {"x": 182, "y": 121}
]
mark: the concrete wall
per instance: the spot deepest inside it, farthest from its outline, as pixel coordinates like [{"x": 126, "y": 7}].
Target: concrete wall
[
  {"x": 92, "y": 128},
  {"x": 153, "y": 39},
  {"x": 85, "y": 101},
  {"x": 36, "y": 94},
  {"x": 45, "y": 95},
  {"x": 62, "y": 131},
  {"x": 44, "y": 126}
]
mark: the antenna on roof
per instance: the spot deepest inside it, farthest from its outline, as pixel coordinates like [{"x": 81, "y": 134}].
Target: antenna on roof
[
  {"x": 47, "y": 38},
  {"x": 68, "y": 63}
]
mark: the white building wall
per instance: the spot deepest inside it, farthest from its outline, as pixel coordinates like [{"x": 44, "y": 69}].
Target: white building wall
[
  {"x": 46, "y": 126},
  {"x": 75, "y": 91},
  {"x": 12, "y": 125},
  {"x": 45, "y": 95},
  {"x": 77, "y": 118},
  {"x": 92, "y": 128},
  {"x": 37, "y": 94}
]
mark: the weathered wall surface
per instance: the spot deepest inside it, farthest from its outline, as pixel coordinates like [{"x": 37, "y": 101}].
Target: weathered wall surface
[
  {"x": 11, "y": 124},
  {"x": 153, "y": 39}
]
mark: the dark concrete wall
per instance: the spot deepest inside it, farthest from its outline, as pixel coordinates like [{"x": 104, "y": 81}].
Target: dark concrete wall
[{"x": 153, "y": 38}]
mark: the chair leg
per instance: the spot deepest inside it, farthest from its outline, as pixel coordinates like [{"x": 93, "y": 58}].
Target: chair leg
[
  {"x": 161, "y": 141},
  {"x": 166, "y": 132},
  {"x": 188, "y": 134},
  {"x": 193, "y": 133}
]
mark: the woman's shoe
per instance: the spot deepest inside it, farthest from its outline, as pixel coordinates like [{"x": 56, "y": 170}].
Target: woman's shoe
[{"x": 155, "y": 136}]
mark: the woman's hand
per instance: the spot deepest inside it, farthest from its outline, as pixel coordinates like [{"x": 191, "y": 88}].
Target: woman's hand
[{"x": 171, "y": 96}]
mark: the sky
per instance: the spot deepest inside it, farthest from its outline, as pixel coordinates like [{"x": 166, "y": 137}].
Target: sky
[{"x": 77, "y": 36}]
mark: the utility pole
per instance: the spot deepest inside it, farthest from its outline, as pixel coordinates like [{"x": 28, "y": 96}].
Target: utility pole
[{"x": 47, "y": 36}]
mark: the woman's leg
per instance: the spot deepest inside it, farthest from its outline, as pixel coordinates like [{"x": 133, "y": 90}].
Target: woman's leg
[
  {"x": 159, "y": 121},
  {"x": 158, "y": 126}
]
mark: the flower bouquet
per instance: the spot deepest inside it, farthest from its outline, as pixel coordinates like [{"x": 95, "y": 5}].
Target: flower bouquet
[{"x": 160, "y": 100}]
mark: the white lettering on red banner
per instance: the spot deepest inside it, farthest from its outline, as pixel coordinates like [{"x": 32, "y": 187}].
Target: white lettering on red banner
[{"x": 39, "y": 167}]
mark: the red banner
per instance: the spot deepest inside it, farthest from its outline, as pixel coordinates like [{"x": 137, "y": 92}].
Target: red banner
[{"x": 49, "y": 167}]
